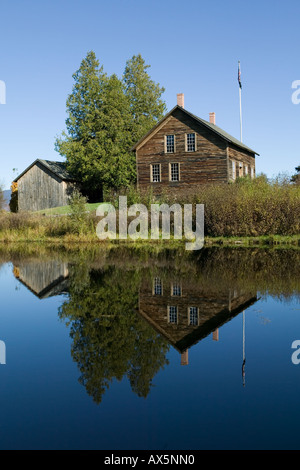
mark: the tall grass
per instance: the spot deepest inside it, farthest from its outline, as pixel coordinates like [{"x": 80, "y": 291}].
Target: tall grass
[
  {"x": 25, "y": 226},
  {"x": 251, "y": 208},
  {"x": 245, "y": 208}
]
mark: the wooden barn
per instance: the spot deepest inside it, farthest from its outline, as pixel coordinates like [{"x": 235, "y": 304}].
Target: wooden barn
[
  {"x": 43, "y": 185},
  {"x": 183, "y": 151},
  {"x": 43, "y": 278}
]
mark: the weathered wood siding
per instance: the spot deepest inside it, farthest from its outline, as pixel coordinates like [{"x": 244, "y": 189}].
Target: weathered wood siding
[
  {"x": 40, "y": 189},
  {"x": 209, "y": 163},
  {"x": 238, "y": 156},
  {"x": 215, "y": 307},
  {"x": 43, "y": 278}
]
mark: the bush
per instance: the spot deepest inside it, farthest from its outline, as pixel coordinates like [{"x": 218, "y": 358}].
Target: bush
[
  {"x": 244, "y": 208},
  {"x": 79, "y": 216},
  {"x": 1, "y": 199},
  {"x": 134, "y": 196},
  {"x": 14, "y": 203},
  {"x": 252, "y": 208}
]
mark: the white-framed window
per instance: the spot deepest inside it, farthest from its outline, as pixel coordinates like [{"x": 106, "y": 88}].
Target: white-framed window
[
  {"x": 191, "y": 142},
  {"x": 157, "y": 286},
  {"x": 155, "y": 173},
  {"x": 193, "y": 316},
  {"x": 252, "y": 172},
  {"x": 176, "y": 289},
  {"x": 174, "y": 172},
  {"x": 233, "y": 169},
  {"x": 246, "y": 170},
  {"x": 170, "y": 143},
  {"x": 172, "y": 314}
]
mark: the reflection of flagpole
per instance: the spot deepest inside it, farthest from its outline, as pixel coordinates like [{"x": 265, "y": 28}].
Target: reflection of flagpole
[
  {"x": 244, "y": 355},
  {"x": 240, "y": 94}
]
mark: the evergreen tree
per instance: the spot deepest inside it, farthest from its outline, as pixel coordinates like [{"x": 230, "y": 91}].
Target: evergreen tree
[
  {"x": 296, "y": 178},
  {"x": 118, "y": 164},
  {"x": 146, "y": 105},
  {"x": 96, "y": 144},
  {"x": 109, "y": 339},
  {"x": 106, "y": 117}
]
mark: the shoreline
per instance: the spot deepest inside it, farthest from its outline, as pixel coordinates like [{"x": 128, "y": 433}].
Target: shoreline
[{"x": 264, "y": 241}]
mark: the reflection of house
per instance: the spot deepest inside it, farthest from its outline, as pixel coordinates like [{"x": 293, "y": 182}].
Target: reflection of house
[
  {"x": 43, "y": 278},
  {"x": 185, "y": 313}
]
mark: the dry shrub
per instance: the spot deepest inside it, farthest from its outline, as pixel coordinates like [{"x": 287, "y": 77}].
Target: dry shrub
[
  {"x": 18, "y": 222},
  {"x": 244, "y": 208}
]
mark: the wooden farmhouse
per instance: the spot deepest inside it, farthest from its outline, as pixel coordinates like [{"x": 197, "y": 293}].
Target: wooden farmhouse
[
  {"x": 43, "y": 185},
  {"x": 185, "y": 312},
  {"x": 183, "y": 151}
]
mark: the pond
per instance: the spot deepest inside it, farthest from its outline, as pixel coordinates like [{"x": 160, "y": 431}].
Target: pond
[{"x": 132, "y": 349}]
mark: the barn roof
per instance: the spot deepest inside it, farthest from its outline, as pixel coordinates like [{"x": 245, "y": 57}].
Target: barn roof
[
  {"x": 217, "y": 130},
  {"x": 57, "y": 168}
]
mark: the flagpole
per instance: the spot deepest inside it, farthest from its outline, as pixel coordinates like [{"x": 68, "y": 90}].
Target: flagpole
[
  {"x": 241, "y": 132},
  {"x": 244, "y": 355},
  {"x": 240, "y": 96}
]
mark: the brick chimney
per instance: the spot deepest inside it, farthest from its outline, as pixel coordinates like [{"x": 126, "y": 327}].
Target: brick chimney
[
  {"x": 185, "y": 358},
  {"x": 212, "y": 118},
  {"x": 215, "y": 335},
  {"x": 180, "y": 99}
]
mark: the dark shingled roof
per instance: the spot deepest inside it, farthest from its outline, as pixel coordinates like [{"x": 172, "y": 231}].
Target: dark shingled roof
[
  {"x": 58, "y": 168},
  {"x": 213, "y": 127}
]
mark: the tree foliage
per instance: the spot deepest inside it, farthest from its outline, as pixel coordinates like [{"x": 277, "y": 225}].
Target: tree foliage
[
  {"x": 296, "y": 177},
  {"x": 106, "y": 116},
  {"x": 1, "y": 199},
  {"x": 13, "y": 203},
  {"x": 146, "y": 104},
  {"x": 110, "y": 340}
]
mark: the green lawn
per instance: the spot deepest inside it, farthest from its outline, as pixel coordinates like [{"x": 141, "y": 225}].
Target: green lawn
[{"x": 66, "y": 209}]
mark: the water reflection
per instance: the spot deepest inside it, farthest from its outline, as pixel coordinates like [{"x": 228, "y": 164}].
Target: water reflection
[
  {"x": 185, "y": 312},
  {"x": 43, "y": 278},
  {"x": 125, "y": 310}
]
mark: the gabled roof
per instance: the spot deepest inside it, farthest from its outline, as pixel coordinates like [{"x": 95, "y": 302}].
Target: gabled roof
[
  {"x": 57, "y": 168},
  {"x": 194, "y": 335},
  {"x": 217, "y": 130}
]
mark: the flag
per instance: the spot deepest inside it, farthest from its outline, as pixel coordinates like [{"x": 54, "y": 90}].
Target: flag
[{"x": 239, "y": 75}]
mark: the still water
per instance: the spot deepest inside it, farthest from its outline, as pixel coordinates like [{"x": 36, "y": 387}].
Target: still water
[{"x": 127, "y": 349}]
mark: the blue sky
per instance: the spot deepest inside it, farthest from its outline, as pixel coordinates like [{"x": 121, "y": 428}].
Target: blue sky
[{"x": 193, "y": 48}]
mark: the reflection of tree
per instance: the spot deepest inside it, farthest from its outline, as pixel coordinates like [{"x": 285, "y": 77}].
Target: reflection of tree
[{"x": 109, "y": 339}]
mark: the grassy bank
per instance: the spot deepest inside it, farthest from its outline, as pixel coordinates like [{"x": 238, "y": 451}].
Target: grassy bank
[
  {"x": 59, "y": 232},
  {"x": 65, "y": 210}
]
